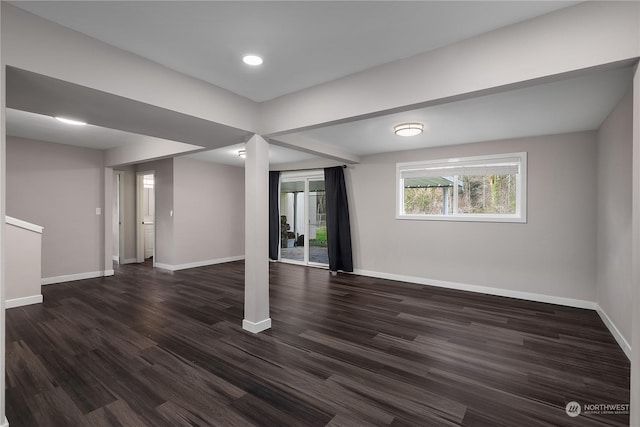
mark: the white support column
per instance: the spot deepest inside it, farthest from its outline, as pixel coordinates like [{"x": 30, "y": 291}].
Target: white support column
[
  {"x": 256, "y": 240},
  {"x": 635, "y": 258}
]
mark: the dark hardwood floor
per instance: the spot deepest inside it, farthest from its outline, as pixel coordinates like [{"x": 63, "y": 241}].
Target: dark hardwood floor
[{"x": 154, "y": 348}]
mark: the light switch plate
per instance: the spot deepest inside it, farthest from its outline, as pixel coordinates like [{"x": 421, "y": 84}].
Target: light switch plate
[{"x": 98, "y": 211}]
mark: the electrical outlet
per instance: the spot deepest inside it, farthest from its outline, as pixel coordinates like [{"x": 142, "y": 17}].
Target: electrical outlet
[{"x": 98, "y": 211}]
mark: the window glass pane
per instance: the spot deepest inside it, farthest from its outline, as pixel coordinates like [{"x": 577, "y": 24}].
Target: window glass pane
[
  {"x": 318, "y": 223},
  {"x": 487, "y": 194},
  {"x": 428, "y": 200}
]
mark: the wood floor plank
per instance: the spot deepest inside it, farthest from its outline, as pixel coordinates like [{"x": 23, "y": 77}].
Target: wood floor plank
[{"x": 149, "y": 347}]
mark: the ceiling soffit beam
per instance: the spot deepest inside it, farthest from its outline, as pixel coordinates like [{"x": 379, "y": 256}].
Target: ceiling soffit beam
[
  {"x": 551, "y": 45},
  {"x": 466, "y": 96},
  {"x": 311, "y": 146},
  {"x": 85, "y": 61},
  {"x": 36, "y": 93},
  {"x": 146, "y": 151}
]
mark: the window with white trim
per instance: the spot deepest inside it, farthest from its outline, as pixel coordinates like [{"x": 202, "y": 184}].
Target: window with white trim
[{"x": 482, "y": 188}]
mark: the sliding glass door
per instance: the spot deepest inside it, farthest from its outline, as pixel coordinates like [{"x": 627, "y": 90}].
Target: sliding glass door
[
  {"x": 303, "y": 230},
  {"x": 317, "y": 220},
  {"x": 292, "y": 227}
]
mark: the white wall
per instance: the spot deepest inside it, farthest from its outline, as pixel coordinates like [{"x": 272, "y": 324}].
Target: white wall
[
  {"x": 209, "y": 211},
  {"x": 553, "y": 254},
  {"x": 23, "y": 276},
  {"x": 59, "y": 187},
  {"x": 615, "y": 147}
]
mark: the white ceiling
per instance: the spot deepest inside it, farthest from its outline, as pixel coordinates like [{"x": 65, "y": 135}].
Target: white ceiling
[
  {"x": 570, "y": 105},
  {"x": 304, "y": 43}
]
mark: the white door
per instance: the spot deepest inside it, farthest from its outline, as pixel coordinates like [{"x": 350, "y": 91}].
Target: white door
[{"x": 146, "y": 216}]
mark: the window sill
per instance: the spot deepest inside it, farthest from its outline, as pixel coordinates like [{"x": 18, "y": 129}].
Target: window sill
[{"x": 466, "y": 218}]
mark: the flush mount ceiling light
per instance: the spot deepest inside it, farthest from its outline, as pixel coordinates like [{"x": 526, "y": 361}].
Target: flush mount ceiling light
[
  {"x": 408, "y": 129},
  {"x": 242, "y": 153},
  {"x": 252, "y": 60},
  {"x": 70, "y": 121}
]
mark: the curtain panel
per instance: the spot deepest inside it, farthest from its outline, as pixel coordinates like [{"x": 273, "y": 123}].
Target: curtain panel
[
  {"x": 274, "y": 214},
  {"x": 338, "y": 226}
]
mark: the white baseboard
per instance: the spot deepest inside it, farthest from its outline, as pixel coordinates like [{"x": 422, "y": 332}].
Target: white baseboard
[
  {"x": 622, "y": 342},
  {"x": 198, "y": 263},
  {"x": 129, "y": 261},
  {"x": 256, "y": 327},
  {"x": 116, "y": 258},
  {"x": 19, "y": 302},
  {"x": 73, "y": 277},
  {"x": 570, "y": 302},
  {"x": 164, "y": 266},
  {"x": 5, "y": 423}
]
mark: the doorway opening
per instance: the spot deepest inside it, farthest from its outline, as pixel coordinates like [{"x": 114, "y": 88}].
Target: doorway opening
[
  {"x": 146, "y": 217},
  {"x": 303, "y": 216}
]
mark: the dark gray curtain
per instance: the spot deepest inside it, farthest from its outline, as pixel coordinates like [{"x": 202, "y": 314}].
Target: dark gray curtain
[
  {"x": 338, "y": 228},
  {"x": 274, "y": 215}
]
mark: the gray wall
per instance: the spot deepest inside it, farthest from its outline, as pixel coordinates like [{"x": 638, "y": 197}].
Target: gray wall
[
  {"x": 207, "y": 201},
  {"x": 615, "y": 146},
  {"x": 59, "y": 187},
  {"x": 209, "y": 211},
  {"x": 553, "y": 254}
]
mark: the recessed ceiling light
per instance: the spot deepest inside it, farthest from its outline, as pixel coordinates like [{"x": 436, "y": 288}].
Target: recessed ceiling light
[
  {"x": 70, "y": 121},
  {"x": 252, "y": 60},
  {"x": 408, "y": 129},
  {"x": 242, "y": 153}
]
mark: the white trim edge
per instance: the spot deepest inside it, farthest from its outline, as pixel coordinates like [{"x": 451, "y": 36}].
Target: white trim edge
[
  {"x": 23, "y": 224},
  {"x": 115, "y": 259},
  {"x": 622, "y": 342},
  {"x": 19, "y": 302},
  {"x": 5, "y": 423},
  {"x": 256, "y": 327},
  {"x": 79, "y": 276},
  {"x": 570, "y": 302},
  {"x": 199, "y": 263},
  {"x": 164, "y": 266},
  {"x": 129, "y": 261}
]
